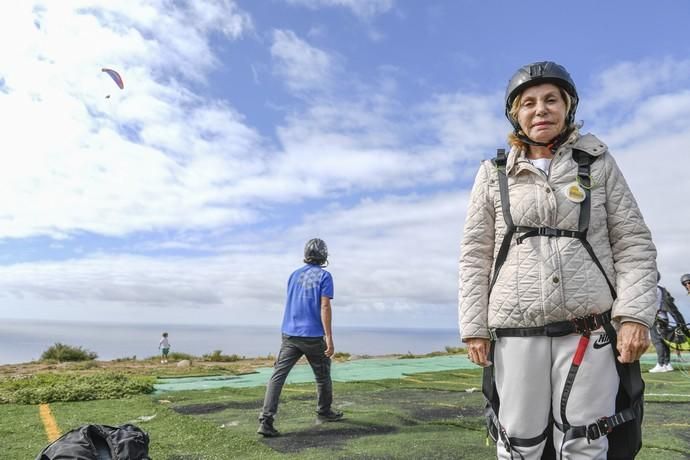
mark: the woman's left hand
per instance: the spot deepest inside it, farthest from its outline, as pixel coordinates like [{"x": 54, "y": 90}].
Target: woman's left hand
[{"x": 633, "y": 341}]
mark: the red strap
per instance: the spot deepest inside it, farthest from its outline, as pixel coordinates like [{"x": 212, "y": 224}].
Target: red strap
[{"x": 581, "y": 348}]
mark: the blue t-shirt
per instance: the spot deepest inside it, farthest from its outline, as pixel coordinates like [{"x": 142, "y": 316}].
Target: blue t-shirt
[{"x": 306, "y": 286}]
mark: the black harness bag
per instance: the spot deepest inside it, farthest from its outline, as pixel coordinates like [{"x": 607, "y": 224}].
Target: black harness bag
[{"x": 99, "y": 442}]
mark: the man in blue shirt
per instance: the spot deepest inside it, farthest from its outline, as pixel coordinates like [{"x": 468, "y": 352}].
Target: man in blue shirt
[{"x": 306, "y": 331}]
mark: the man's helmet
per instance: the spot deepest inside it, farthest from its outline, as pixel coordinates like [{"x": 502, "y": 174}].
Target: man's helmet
[
  {"x": 684, "y": 279},
  {"x": 537, "y": 74},
  {"x": 316, "y": 251}
]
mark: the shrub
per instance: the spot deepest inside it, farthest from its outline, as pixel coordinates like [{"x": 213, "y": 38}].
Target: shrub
[
  {"x": 178, "y": 356},
  {"x": 455, "y": 350},
  {"x": 62, "y": 353},
  {"x": 47, "y": 387},
  {"x": 341, "y": 355},
  {"x": 217, "y": 356},
  {"x": 433, "y": 354},
  {"x": 84, "y": 365}
]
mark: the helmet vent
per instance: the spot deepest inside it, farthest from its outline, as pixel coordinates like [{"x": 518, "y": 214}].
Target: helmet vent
[{"x": 536, "y": 70}]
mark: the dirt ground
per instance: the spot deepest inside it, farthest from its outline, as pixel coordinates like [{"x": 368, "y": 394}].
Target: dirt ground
[{"x": 138, "y": 367}]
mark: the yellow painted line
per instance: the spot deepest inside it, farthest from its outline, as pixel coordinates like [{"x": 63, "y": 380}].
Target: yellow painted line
[
  {"x": 49, "y": 423},
  {"x": 676, "y": 424}
]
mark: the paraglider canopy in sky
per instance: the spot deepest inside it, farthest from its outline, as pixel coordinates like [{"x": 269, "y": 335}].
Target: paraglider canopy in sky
[{"x": 116, "y": 78}]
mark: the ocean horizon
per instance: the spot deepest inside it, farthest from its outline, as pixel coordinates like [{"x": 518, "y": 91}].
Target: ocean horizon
[{"x": 24, "y": 340}]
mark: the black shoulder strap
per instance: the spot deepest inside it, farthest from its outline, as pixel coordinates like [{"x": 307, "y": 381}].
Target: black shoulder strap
[
  {"x": 500, "y": 163},
  {"x": 584, "y": 165}
]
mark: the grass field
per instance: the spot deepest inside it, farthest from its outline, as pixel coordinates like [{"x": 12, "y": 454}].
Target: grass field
[{"x": 421, "y": 416}]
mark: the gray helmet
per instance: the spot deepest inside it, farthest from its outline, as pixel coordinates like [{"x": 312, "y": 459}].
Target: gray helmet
[
  {"x": 684, "y": 279},
  {"x": 536, "y": 74},
  {"x": 316, "y": 251}
]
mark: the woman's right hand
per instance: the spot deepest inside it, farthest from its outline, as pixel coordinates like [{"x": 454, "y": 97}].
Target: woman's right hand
[{"x": 478, "y": 351}]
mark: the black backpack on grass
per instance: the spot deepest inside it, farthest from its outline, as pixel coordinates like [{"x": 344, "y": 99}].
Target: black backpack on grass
[{"x": 99, "y": 442}]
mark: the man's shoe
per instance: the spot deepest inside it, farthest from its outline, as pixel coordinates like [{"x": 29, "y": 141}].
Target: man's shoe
[
  {"x": 668, "y": 367},
  {"x": 330, "y": 416},
  {"x": 267, "y": 430},
  {"x": 658, "y": 368}
]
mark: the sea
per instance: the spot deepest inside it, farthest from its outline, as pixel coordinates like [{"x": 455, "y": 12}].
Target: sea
[{"x": 24, "y": 340}]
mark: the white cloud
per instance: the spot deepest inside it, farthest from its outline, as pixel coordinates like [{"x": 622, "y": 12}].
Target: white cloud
[
  {"x": 152, "y": 156},
  {"x": 159, "y": 156},
  {"x": 656, "y": 116},
  {"x": 362, "y": 8},
  {"x": 625, "y": 83},
  {"x": 303, "y": 66},
  {"x": 467, "y": 123}
]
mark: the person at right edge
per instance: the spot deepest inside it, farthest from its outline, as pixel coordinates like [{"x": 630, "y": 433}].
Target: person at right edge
[
  {"x": 685, "y": 281},
  {"x": 666, "y": 306},
  {"x": 557, "y": 281}
]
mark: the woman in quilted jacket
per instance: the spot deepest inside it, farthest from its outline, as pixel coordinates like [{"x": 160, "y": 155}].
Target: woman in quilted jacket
[{"x": 558, "y": 278}]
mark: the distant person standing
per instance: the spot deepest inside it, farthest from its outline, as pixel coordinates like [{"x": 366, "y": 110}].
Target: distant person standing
[
  {"x": 665, "y": 306},
  {"x": 164, "y": 347},
  {"x": 306, "y": 331}
]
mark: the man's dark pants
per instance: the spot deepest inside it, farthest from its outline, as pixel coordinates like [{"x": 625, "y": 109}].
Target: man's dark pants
[
  {"x": 663, "y": 352},
  {"x": 291, "y": 350}
]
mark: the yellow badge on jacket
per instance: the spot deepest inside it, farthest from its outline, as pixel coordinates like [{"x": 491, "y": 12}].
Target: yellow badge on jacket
[{"x": 575, "y": 193}]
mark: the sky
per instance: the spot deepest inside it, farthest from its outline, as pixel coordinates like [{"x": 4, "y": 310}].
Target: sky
[{"x": 247, "y": 127}]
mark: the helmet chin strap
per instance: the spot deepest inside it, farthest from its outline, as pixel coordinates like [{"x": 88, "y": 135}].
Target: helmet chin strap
[{"x": 553, "y": 144}]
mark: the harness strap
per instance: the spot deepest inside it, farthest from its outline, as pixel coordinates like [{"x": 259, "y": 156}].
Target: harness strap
[
  {"x": 489, "y": 384},
  {"x": 584, "y": 177},
  {"x": 500, "y": 162},
  {"x": 491, "y": 412},
  {"x": 601, "y": 427},
  {"x": 590, "y": 250},
  {"x": 579, "y": 325},
  {"x": 572, "y": 372},
  {"x": 631, "y": 382},
  {"x": 512, "y": 441},
  {"x": 548, "y": 231}
]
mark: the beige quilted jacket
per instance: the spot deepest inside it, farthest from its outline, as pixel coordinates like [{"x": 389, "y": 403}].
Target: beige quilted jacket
[{"x": 549, "y": 279}]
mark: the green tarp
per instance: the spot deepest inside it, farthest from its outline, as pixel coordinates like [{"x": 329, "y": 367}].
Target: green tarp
[{"x": 361, "y": 369}]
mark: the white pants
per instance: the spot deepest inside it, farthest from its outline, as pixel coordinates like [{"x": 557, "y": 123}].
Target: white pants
[{"x": 530, "y": 375}]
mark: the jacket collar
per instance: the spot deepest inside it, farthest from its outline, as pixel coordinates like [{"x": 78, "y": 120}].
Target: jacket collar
[{"x": 588, "y": 143}]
